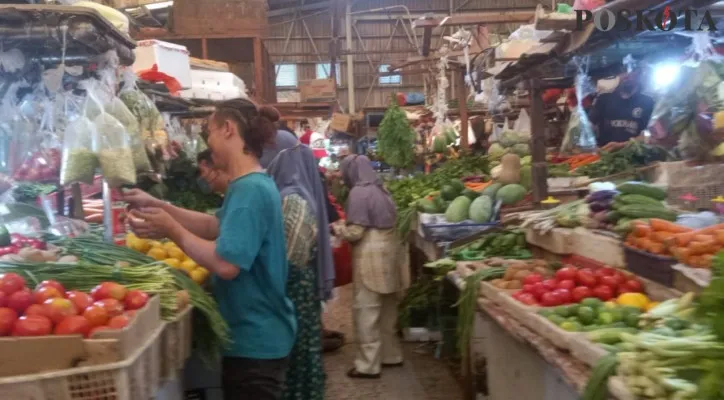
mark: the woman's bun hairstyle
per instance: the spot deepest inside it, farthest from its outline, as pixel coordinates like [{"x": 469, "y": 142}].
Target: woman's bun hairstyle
[{"x": 255, "y": 124}]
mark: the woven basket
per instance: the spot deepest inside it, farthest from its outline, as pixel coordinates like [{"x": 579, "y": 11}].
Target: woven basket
[{"x": 704, "y": 182}]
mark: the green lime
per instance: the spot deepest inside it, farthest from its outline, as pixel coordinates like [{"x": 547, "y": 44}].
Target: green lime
[
  {"x": 586, "y": 315},
  {"x": 573, "y": 309},
  {"x": 617, "y": 314},
  {"x": 571, "y": 326},
  {"x": 556, "y": 319},
  {"x": 563, "y": 311},
  {"x": 630, "y": 310},
  {"x": 592, "y": 303},
  {"x": 605, "y": 318},
  {"x": 546, "y": 312}
]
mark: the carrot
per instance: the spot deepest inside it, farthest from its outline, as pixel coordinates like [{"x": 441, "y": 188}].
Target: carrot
[
  {"x": 706, "y": 260},
  {"x": 698, "y": 248},
  {"x": 704, "y": 238},
  {"x": 642, "y": 230},
  {"x": 482, "y": 186},
  {"x": 661, "y": 236},
  {"x": 720, "y": 236},
  {"x": 94, "y": 218},
  {"x": 656, "y": 248},
  {"x": 668, "y": 226},
  {"x": 682, "y": 239}
]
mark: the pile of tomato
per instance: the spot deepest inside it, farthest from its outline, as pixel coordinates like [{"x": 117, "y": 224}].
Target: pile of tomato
[
  {"x": 19, "y": 241},
  {"x": 41, "y": 166},
  {"x": 51, "y": 310},
  {"x": 571, "y": 285}
]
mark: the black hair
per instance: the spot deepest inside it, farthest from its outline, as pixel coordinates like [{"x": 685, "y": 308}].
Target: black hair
[
  {"x": 205, "y": 157},
  {"x": 256, "y": 125}
]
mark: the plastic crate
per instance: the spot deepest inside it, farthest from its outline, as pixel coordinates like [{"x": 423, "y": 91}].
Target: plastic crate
[
  {"x": 176, "y": 344},
  {"x": 135, "y": 378},
  {"x": 650, "y": 266},
  {"x": 434, "y": 227}
]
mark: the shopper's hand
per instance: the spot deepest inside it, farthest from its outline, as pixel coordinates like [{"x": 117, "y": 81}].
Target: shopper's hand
[
  {"x": 153, "y": 222},
  {"x": 137, "y": 198}
]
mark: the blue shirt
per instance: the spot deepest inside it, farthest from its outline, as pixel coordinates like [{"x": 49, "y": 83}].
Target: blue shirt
[{"x": 255, "y": 303}]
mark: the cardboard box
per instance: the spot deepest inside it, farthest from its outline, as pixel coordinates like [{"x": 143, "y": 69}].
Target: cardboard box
[
  {"x": 318, "y": 90},
  {"x": 341, "y": 122}
]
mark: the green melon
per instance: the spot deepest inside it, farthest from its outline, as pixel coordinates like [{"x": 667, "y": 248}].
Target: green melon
[
  {"x": 511, "y": 194},
  {"x": 491, "y": 190},
  {"x": 481, "y": 209},
  {"x": 457, "y": 211}
]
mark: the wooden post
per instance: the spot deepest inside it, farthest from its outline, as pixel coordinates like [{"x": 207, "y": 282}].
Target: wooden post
[
  {"x": 204, "y": 49},
  {"x": 462, "y": 106},
  {"x": 259, "y": 69},
  {"x": 538, "y": 146}
]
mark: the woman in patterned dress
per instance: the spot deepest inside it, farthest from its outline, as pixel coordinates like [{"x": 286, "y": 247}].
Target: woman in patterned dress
[{"x": 311, "y": 272}]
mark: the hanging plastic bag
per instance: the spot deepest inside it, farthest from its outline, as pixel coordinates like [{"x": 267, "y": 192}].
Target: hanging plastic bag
[
  {"x": 522, "y": 125},
  {"x": 114, "y": 155},
  {"x": 140, "y": 157},
  {"x": 80, "y": 151}
]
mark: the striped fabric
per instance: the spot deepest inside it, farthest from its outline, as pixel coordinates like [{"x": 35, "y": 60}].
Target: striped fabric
[{"x": 301, "y": 230}]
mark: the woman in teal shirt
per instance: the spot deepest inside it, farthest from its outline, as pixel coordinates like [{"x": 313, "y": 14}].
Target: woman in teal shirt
[{"x": 244, "y": 247}]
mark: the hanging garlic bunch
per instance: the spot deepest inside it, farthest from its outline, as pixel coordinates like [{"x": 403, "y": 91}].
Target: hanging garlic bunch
[{"x": 438, "y": 141}]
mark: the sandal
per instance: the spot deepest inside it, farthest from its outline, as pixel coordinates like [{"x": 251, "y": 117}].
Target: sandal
[
  {"x": 394, "y": 365},
  {"x": 354, "y": 374},
  {"x": 330, "y": 345}
]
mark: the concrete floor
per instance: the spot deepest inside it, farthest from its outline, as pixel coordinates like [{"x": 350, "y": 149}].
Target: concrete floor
[{"x": 423, "y": 377}]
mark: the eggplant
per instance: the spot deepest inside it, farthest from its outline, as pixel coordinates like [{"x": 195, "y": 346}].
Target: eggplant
[
  {"x": 601, "y": 195},
  {"x": 601, "y": 205}
]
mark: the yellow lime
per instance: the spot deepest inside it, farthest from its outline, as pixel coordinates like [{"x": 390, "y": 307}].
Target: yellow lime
[
  {"x": 155, "y": 243},
  {"x": 143, "y": 245},
  {"x": 633, "y": 300},
  {"x": 170, "y": 245},
  {"x": 189, "y": 265},
  {"x": 157, "y": 253},
  {"x": 172, "y": 262},
  {"x": 175, "y": 252},
  {"x": 199, "y": 275},
  {"x": 610, "y": 304},
  {"x": 652, "y": 305}
]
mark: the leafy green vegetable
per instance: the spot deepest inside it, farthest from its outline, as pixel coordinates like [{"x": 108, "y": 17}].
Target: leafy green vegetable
[{"x": 395, "y": 138}]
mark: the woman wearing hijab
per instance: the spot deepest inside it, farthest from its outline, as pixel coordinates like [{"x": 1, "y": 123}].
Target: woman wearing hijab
[
  {"x": 311, "y": 270},
  {"x": 380, "y": 263}
]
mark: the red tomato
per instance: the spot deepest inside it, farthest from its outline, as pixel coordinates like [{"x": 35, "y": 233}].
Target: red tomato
[
  {"x": 633, "y": 286},
  {"x": 586, "y": 277},
  {"x": 46, "y": 293},
  {"x": 98, "y": 329},
  {"x": 605, "y": 271},
  {"x": 20, "y": 300},
  {"x": 109, "y": 290},
  {"x": 603, "y": 292},
  {"x": 515, "y": 295},
  {"x": 550, "y": 284},
  {"x": 610, "y": 281},
  {"x": 527, "y": 299},
  {"x": 96, "y": 315},
  {"x": 3, "y": 299},
  {"x": 119, "y": 322},
  {"x": 528, "y": 288},
  {"x": 620, "y": 277},
  {"x": 566, "y": 284},
  {"x": 532, "y": 279},
  {"x": 11, "y": 283},
  {"x": 580, "y": 293},
  {"x": 80, "y": 300},
  {"x": 135, "y": 299},
  {"x": 37, "y": 309},
  {"x": 58, "y": 309},
  {"x": 73, "y": 325},
  {"x": 566, "y": 273},
  {"x": 8, "y": 316},
  {"x": 549, "y": 300},
  {"x": 112, "y": 306},
  {"x": 33, "y": 325},
  {"x": 564, "y": 296},
  {"x": 539, "y": 290},
  {"x": 54, "y": 284}
]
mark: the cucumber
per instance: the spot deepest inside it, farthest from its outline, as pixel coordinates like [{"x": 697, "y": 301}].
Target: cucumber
[
  {"x": 639, "y": 199},
  {"x": 608, "y": 335},
  {"x": 642, "y": 189},
  {"x": 5, "y": 239},
  {"x": 643, "y": 211}
]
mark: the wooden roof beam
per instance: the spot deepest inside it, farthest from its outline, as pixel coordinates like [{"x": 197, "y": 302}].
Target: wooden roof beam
[{"x": 484, "y": 18}]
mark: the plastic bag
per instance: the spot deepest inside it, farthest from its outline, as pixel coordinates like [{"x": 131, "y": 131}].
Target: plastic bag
[
  {"x": 118, "y": 109},
  {"x": 80, "y": 152},
  {"x": 114, "y": 154},
  {"x": 522, "y": 125},
  {"x": 580, "y": 133},
  {"x": 39, "y": 148}
]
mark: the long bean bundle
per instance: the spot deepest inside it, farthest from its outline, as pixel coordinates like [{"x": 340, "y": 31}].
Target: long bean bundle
[{"x": 101, "y": 261}]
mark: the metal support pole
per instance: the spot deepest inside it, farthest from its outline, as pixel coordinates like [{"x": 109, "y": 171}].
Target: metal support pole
[
  {"x": 537, "y": 124},
  {"x": 350, "y": 59},
  {"x": 459, "y": 76},
  {"x": 107, "y": 212}
]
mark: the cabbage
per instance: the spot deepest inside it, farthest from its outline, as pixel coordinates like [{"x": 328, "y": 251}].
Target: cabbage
[{"x": 496, "y": 150}]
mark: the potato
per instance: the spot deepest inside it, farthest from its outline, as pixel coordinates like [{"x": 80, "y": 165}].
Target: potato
[
  {"x": 32, "y": 255},
  {"x": 542, "y": 270},
  {"x": 498, "y": 283},
  {"x": 509, "y": 274},
  {"x": 521, "y": 275},
  {"x": 515, "y": 285},
  {"x": 68, "y": 260}
]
